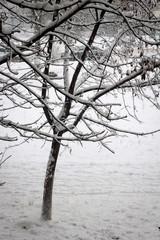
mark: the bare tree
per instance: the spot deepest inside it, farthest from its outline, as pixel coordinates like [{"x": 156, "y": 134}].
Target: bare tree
[{"x": 111, "y": 48}]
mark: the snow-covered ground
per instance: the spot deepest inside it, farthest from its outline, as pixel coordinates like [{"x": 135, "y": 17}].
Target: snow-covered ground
[{"x": 97, "y": 195}]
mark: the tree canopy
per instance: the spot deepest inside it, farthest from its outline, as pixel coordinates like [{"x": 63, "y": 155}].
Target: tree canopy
[{"x": 115, "y": 48}]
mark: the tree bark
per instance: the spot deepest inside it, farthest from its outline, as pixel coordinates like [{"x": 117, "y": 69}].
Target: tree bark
[{"x": 48, "y": 182}]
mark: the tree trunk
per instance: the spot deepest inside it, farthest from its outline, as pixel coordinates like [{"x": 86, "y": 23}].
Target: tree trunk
[{"x": 48, "y": 183}]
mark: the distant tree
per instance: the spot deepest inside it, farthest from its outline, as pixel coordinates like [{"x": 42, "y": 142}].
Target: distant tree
[{"x": 109, "y": 49}]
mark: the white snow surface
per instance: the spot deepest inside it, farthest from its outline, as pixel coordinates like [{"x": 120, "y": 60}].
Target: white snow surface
[{"x": 97, "y": 195}]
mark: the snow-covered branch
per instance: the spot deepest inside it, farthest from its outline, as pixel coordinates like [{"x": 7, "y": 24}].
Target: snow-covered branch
[{"x": 8, "y": 139}]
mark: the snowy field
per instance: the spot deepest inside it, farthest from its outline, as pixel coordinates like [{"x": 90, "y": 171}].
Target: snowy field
[{"x": 97, "y": 195}]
